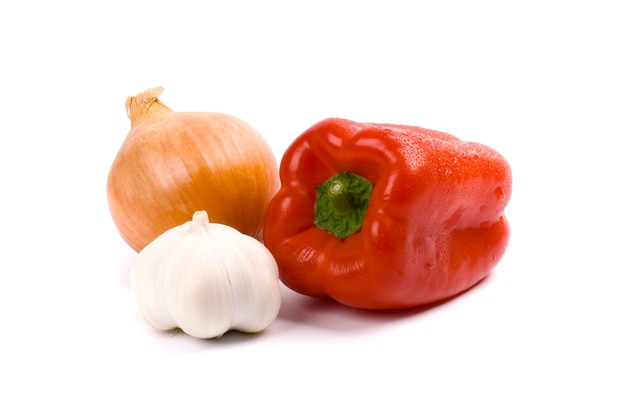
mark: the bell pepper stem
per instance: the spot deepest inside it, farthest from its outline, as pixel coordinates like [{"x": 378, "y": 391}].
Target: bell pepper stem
[
  {"x": 341, "y": 203},
  {"x": 339, "y": 196}
]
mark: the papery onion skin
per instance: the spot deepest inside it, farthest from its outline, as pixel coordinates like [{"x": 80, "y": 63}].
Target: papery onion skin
[{"x": 172, "y": 164}]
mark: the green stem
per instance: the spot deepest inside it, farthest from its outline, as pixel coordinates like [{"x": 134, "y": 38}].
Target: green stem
[
  {"x": 341, "y": 203},
  {"x": 339, "y": 196}
]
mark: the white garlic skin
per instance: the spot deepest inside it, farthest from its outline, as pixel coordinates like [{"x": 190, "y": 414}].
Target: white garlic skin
[{"x": 206, "y": 278}]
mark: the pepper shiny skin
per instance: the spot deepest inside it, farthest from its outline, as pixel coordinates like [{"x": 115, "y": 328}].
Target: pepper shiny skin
[{"x": 433, "y": 226}]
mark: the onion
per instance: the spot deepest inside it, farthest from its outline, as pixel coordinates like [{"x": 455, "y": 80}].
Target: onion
[{"x": 172, "y": 164}]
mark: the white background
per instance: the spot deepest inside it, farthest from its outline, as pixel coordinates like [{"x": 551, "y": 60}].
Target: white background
[{"x": 543, "y": 82}]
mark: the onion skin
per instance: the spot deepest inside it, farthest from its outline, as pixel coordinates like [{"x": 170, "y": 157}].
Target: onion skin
[{"x": 172, "y": 164}]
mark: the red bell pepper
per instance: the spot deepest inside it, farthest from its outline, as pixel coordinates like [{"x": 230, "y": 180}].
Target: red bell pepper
[{"x": 381, "y": 216}]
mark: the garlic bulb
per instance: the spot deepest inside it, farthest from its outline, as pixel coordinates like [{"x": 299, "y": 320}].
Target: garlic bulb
[{"x": 206, "y": 278}]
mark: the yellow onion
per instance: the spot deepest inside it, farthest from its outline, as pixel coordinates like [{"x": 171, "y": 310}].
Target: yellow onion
[{"x": 172, "y": 164}]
